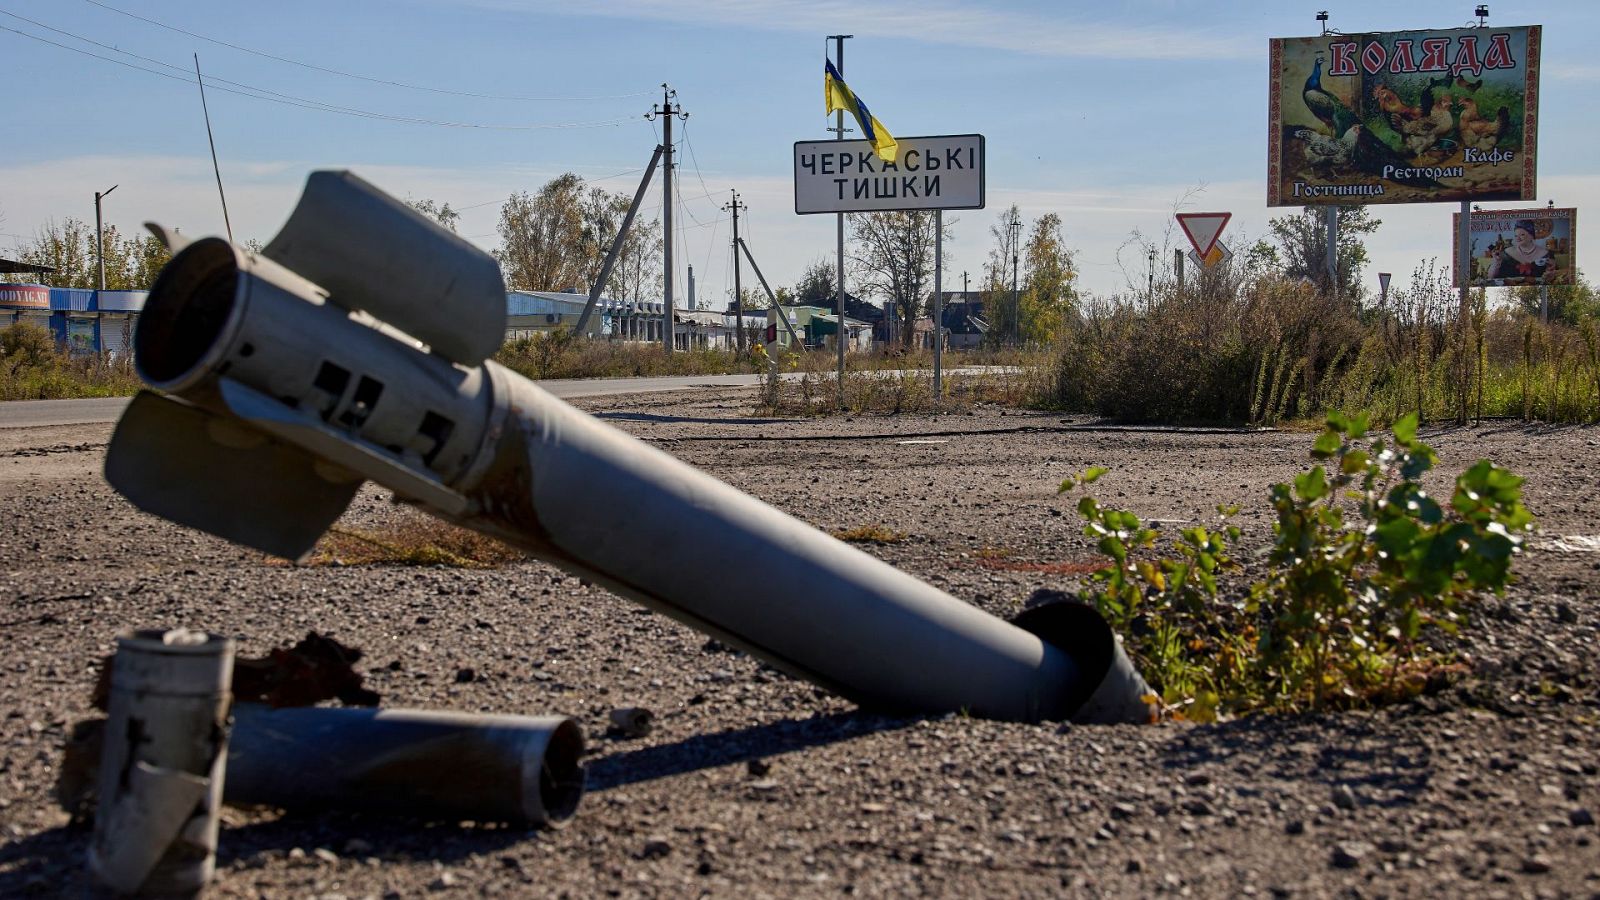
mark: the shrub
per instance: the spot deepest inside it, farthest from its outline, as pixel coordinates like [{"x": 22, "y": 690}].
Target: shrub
[{"x": 1366, "y": 575}]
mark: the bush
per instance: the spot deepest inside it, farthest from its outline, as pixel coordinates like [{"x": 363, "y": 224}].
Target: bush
[
  {"x": 1367, "y": 576},
  {"x": 31, "y": 368},
  {"x": 1266, "y": 350}
]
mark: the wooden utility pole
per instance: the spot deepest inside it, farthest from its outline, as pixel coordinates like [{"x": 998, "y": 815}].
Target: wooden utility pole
[{"x": 738, "y": 295}]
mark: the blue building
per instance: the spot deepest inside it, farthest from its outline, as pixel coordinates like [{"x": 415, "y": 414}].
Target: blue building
[{"x": 81, "y": 321}]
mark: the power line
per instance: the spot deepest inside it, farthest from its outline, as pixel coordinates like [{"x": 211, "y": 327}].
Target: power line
[
  {"x": 257, "y": 93},
  {"x": 375, "y": 80}
]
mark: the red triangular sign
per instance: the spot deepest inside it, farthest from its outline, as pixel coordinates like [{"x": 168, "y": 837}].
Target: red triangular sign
[{"x": 1202, "y": 229}]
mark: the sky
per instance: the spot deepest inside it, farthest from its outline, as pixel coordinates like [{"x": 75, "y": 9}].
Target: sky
[{"x": 1113, "y": 115}]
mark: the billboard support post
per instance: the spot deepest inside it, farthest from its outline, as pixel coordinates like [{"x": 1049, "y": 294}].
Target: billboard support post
[
  {"x": 1544, "y": 304},
  {"x": 1464, "y": 266},
  {"x": 1331, "y": 215}
]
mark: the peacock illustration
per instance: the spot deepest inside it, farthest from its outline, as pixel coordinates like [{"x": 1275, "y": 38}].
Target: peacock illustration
[{"x": 1325, "y": 105}]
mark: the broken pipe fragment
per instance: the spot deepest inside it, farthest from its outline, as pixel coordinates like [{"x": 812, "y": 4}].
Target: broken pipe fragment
[
  {"x": 162, "y": 763},
  {"x": 413, "y": 762}
]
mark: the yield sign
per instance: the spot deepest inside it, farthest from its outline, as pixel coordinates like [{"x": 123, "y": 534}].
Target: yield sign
[{"x": 1202, "y": 229}]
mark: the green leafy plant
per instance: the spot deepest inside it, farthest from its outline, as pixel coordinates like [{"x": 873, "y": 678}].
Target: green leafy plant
[
  {"x": 1182, "y": 633},
  {"x": 1366, "y": 573},
  {"x": 1367, "y": 567}
]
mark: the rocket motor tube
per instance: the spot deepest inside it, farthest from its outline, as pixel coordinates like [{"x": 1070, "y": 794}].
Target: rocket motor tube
[
  {"x": 544, "y": 476},
  {"x": 595, "y": 500}
]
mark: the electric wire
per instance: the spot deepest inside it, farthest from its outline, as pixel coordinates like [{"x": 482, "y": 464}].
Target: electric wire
[
  {"x": 257, "y": 93},
  {"x": 375, "y": 80}
]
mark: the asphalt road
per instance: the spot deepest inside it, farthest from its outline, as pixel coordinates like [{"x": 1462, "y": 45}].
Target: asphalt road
[{"x": 104, "y": 410}]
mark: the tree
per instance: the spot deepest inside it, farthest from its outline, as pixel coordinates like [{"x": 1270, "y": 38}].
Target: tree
[
  {"x": 999, "y": 301},
  {"x": 637, "y": 273},
  {"x": 69, "y": 248},
  {"x": 1303, "y": 240},
  {"x": 755, "y": 300},
  {"x": 893, "y": 259},
  {"x": 1569, "y": 303},
  {"x": 818, "y": 285},
  {"x": 442, "y": 214},
  {"x": 541, "y": 236},
  {"x": 1048, "y": 295}
]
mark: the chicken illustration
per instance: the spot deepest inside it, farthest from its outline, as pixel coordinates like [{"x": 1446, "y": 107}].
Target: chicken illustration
[
  {"x": 1480, "y": 133},
  {"x": 1390, "y": 102},
  {"x": 1432, "y": 122},
  {"x": 1325, "y": 105},
  {"x": 1465, "y": 85},
  {"x": 1369, "y": 154},
  {"x": 1323, "y": 153}
]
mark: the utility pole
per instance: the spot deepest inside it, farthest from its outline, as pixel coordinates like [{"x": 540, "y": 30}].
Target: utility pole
[
  {"x": 1016, "y": 264},
  {"x": 838, "y": 135},
  {"x": 99, "y": 238},
  {"x": 738, "y": 295},
  {"x": 666, "y": 111}
]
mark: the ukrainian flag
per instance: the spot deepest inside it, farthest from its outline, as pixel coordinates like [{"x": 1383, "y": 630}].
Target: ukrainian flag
[{"x": 838, "y": 96}]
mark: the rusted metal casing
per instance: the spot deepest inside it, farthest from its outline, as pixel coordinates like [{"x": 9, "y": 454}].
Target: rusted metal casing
[{"x": 522, "y": 465}]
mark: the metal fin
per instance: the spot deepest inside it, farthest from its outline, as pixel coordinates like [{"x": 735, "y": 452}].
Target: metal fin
[
  {"x": 169, "y": 458},
  {"x": 337, "y": 447},
  {"x": 372, "y": 252},
  {"x": 170, "y": 237}
]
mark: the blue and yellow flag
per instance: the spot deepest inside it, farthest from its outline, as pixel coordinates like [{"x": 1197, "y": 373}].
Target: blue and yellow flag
[{"x": 839, "y": 96}]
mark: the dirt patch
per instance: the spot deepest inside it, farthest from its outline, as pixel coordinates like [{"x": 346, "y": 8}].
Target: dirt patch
[{"x": 753, "y": 783}]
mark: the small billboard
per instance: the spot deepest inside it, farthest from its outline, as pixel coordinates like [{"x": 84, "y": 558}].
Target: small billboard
[
  {"x": 1403, "y": 117},
  {"x": 1517, "y": 247}
]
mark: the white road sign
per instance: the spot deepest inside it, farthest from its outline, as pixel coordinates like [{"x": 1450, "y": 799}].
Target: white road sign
[
  {"x": 1202, "y": 229},
  {"x": 933, "y": 172}
]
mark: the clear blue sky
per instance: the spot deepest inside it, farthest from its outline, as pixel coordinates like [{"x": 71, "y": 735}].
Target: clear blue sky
[{"x": 1105, "y": 113}]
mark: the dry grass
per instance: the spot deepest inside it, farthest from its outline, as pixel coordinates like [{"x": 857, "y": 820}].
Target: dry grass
[
  {"x": 1040, "y": 568},
  {"x": 870, "y": 534},
  {"x": 419, "y": 542}
]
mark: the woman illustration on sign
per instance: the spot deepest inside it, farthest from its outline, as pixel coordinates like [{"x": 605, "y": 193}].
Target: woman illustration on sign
[{"x": 1523, "y": 259}]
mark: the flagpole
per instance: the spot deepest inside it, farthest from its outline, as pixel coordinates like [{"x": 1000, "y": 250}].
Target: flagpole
[{"x": 839, "y": 334}]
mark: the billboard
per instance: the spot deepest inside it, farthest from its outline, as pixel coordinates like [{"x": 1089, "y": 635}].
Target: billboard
[
  {"x": 1403, "y": 117},
  {"x": 933, "y": 172},
  {"x": 1517, "y": 247}
]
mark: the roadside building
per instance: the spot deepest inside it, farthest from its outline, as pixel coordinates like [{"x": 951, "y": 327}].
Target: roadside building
[{"x": 89, "y": 322}]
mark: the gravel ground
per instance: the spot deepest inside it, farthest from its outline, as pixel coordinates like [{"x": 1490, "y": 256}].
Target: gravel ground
[{"x": 754, "y": 784}]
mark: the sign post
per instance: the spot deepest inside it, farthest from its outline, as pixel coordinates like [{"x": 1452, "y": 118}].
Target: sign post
[{"x": 931, "y": 173}]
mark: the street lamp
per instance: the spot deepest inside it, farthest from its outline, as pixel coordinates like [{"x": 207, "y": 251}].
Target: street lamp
[{"x": 99, "y": 239}]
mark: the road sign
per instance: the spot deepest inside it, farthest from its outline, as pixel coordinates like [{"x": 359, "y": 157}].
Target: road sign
[
  {"x": 1219, "y": 254},
  {"x": 1383, "y": 283},
  {"x": 1202, "y": 229},
  {"x": 931, "y": 172}
]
